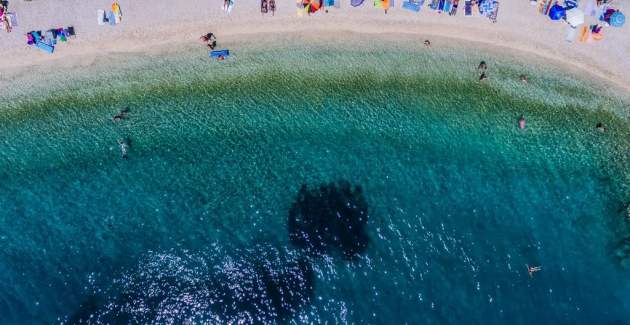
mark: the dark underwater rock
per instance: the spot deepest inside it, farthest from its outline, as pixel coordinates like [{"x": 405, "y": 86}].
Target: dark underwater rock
[
  {"x": 259, "y": 285},
  {"x": 621, "y": 253},
  {"x": 333, "y": 216}
]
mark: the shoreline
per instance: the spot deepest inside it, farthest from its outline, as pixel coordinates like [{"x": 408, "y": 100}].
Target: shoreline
[{"x": 591, "y": 61}]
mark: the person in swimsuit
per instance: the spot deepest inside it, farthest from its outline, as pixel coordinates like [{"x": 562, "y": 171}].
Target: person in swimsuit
[{"x": 533, "y": 269}]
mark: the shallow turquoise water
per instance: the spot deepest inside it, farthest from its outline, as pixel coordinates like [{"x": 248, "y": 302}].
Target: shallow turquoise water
[{"x": 191, "y": 224}]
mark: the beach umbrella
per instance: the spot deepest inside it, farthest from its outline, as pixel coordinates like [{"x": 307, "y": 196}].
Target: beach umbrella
[
  {"x": 356, "y": 3},
  {"x": 617, "y": 19},
  {"x": 575, "y": 17},
  {"x": 557, "y": 12}
]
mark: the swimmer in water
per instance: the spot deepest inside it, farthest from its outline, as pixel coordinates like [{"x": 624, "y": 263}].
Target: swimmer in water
[
  {"x": 483, "y": 77},
  {"x": 121, "y": 115},
  {"x": 533, "y": 269},
  {"x": 123, "y": 148},
  {"x": 600, "y": 127},
  {"x": 482, "y": 66},
  {"x": 523, "y": 78},
  {"x": 521, "y": 123}
]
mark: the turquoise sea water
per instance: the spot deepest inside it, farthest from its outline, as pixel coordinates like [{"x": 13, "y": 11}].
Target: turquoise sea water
[{"x": 193, "y": 226}]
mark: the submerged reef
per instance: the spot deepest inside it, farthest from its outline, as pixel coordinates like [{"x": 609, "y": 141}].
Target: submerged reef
[
  {"x": 621, "y": 253},
  {"x": 260, "y": 285},
  {"x": 331, "y": 217}
]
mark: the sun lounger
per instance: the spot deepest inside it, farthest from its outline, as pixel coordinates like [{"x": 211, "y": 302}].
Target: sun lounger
[
  {"x": 216, "y": 54},
  {"x": 45, "y": 47}
]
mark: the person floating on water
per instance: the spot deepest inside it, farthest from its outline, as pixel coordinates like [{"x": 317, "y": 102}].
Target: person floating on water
[
  {"x": 124, "y": 146},
  {"x": 482, "y": 66},
  {"x": 121, "y": 115},
  {"x": 533, "y": 269},
  {"x": 600, "y": 127},
  {"x": 521, "y": 123},
  {"x": 523, "y": 78}
]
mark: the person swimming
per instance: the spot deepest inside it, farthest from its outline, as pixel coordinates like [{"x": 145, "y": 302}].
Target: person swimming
[
  {"x": 600, "y": 127},
  {"x": 482, "y": 65},
  {"x": 521, "y": 123},
  {"x": 121, "y": 115},
  {"x": 124, "y": 146},
  {"x": 523, "y": 78},
  {"x": 483, "y": 76},
  {"x": 533, "y": 269}
]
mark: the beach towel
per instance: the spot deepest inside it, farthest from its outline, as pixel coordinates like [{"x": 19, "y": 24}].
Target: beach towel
[
  {"x": 117, "y": 12},
  {"x": 468, "y": 8},
  {"x": 447, "y": 6},
  {"x": 218, "y": 53},
  {"x": 100, "y": 17},
  {"x": 412, "y": 5},
  {"x": 571, "y": 32},
  {"x": 356, "y": 3},
  {"x": 45, "y": 47},
  {"x": 12, "y": 17},
  {"x": 112, "y": 18}
]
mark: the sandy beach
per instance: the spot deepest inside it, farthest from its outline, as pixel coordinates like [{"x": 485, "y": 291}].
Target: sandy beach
[{"x": 159, "y": 25}]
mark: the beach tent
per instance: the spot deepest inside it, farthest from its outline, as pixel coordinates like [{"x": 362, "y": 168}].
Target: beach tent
[
  {"x": 617, "y": 19},
  {"x": 556, "y": 12},
  {"x": 575, "y": 17}
]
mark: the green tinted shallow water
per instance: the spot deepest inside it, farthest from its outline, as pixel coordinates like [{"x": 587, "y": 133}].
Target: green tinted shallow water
[{"x": 459, "y": 199}]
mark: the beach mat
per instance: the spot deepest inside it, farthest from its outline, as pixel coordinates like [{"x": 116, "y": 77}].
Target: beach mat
[
  {"x": 45, "y": 47},
  {"x": 218, "y": 53}
]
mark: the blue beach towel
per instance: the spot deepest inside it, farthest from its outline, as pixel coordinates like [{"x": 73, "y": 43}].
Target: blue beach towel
[
  {"x": 112, "y": 18},
  {"x": 45, "y": 47},
  {"x": 447, "y": 5},
  {"x": 218, "y": 53},
  {"x": 356, "y": 3},
  {"x": 411, "y": 5}
]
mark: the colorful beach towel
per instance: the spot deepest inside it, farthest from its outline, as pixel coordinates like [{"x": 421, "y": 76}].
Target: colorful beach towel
[{"x": 413, "y": 5}]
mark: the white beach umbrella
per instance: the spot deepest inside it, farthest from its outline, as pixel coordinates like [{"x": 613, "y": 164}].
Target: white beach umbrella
[{"x": 575, "y": 17}]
